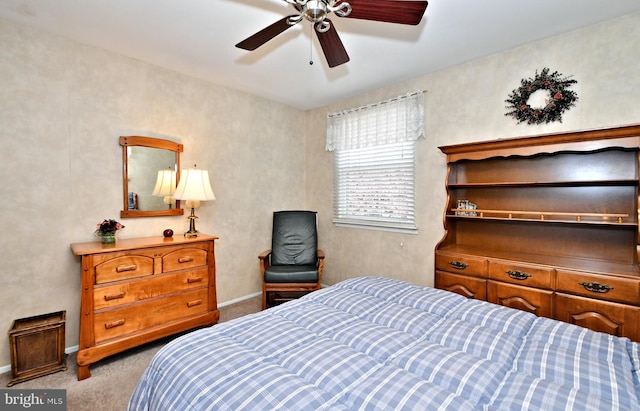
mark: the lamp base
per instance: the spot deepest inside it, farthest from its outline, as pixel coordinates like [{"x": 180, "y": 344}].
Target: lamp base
[
  {"x": 191, "y": 234},
  {"x": 192, "y": 225}
]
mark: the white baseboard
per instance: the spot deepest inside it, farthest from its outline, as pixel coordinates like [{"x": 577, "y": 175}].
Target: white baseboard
[
  {"x": 237, "y": 300},
  {"x": 69, "y": 350}
]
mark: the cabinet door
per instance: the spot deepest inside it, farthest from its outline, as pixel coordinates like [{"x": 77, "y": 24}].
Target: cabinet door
[
  {"x": 607, "y": 317},
  {"x": 470, "y": 287},
  {"x": 535, "y": 301}
]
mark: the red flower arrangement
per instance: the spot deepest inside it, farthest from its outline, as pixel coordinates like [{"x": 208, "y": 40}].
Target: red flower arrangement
[{"x": 107, "y": 227}]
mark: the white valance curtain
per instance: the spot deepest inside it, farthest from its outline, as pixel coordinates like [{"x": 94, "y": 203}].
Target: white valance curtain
[{"x": 395, "y": 120}]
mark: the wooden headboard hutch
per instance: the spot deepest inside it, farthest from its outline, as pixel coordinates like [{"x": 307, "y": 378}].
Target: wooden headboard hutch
[{"x": 547, "y": 224}]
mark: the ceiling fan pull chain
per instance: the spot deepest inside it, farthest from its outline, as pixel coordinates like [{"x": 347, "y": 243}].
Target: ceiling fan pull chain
[{"x": 311, "y": 44}]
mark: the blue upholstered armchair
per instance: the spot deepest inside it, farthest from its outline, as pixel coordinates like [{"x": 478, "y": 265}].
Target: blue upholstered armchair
[{"x": 293, "y": 264}]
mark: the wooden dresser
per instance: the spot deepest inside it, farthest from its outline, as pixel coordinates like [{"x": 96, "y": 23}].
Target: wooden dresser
[
  {"x": 547, "y": 224},
  {"x": 141, "y": 289}
]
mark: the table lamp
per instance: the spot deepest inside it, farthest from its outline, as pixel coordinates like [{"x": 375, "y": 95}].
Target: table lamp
[
  {"x": 194, "y": 186},
  {"x": 166, "y": 186}
]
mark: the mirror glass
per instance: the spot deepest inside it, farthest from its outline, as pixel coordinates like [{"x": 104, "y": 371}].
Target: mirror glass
[{"x": 143, "y": 158}]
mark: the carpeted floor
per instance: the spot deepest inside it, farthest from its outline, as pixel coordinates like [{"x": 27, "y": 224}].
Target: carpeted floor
[{"x": 113, "y": 379}]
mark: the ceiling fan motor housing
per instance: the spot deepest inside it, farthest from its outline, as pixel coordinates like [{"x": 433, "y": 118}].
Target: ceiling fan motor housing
[{"x": 315, "y": 10}]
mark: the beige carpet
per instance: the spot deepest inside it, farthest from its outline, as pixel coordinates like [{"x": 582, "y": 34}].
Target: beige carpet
[{"x": 113, "y": 379}]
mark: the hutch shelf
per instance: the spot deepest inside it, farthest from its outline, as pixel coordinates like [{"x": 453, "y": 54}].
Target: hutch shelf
[{"x": 553, "y": 229}]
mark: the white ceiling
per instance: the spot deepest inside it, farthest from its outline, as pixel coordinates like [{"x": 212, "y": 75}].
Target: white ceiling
[{"x": 197, "y": 37}]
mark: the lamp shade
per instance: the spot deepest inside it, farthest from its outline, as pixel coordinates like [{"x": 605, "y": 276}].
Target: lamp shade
[
  {"x": 165, "y": 183},
  {"x": 194, "y": 185}
]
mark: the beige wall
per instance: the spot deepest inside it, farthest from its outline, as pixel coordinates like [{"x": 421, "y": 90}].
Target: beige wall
[
  {"x": 466, "y": 103},
  {"x": 64, "y": 105}
]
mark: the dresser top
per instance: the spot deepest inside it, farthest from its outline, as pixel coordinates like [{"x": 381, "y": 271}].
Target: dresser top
[{"x": 96, "y": 247}]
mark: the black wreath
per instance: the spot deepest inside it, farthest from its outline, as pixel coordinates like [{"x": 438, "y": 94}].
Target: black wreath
[{"x": 560, "y": 98}]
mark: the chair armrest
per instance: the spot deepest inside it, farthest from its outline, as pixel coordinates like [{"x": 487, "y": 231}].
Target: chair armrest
[
  {"x": 265, "y": 261},
  {"x": 265, "y": 254}
]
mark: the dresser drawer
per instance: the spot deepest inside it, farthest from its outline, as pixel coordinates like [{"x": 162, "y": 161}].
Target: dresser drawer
[
  {"x": 461, "y": 264},
  {"x": 185, "y": 257},
  {"x": 154, "y": 286},
  {"x": 521, "y": 274},
  {"x": 113, "y": 323},
  {"x": 122, "y": 266},
  {"x": 603, "y": 287}
]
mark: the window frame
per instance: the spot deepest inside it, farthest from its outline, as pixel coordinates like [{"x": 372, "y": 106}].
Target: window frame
[{"x": 393, "y": 125}]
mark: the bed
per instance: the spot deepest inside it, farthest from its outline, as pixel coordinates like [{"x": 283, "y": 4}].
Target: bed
[{"x": 374, "y": 343}]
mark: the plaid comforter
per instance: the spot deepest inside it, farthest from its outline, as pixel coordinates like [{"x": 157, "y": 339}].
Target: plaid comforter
[{"x": 381, "y": 344}]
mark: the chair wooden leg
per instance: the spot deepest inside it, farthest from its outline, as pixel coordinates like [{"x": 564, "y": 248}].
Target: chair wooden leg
[{"x": 264, "y": 298}]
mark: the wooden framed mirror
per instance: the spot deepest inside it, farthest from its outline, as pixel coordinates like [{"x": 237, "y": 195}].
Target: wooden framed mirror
[{"x": 142, "y": 159}]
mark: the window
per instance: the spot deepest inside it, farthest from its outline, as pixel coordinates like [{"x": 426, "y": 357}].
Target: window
[{"x": 374, "y": 162}]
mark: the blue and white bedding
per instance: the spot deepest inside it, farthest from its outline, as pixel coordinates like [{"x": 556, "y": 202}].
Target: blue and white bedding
[{"x": 381, "y": 344}]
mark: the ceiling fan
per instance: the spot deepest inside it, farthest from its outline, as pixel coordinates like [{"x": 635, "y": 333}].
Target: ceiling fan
[{"x": 391, "y": 11}]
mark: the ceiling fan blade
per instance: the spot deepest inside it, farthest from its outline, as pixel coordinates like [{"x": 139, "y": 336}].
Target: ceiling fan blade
[
  {"x": 332, "y": 46},
  {"x": 264, "y": 35},
  {"x": 390, "y": 11}
]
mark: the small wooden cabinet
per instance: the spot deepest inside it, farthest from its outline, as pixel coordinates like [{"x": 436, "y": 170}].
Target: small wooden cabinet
[
  {"x": 553, "y": 226},
  {"x": 37, "y": 346},
  {"x": 138, "y": 290}
]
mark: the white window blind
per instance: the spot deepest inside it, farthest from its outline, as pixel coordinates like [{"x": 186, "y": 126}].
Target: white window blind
[{"x": 374, "y": 162}]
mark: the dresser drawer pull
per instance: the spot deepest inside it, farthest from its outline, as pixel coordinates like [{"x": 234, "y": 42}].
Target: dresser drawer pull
[
  {"x": 194, "y": 280},
  {"x": 112, "y": 324},
  {"x": 458, "y": 265},
  {"x": 109, "y": 297},
  {"x": 596, "y": 287},
  {"x": 518, "y": 275},
  {"x": 185, "y": 259},
  {"x": 194, "y": 303},
  {"x": 123, "y": 268}
]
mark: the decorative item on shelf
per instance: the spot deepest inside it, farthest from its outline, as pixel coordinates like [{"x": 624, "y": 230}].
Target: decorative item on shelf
[
  {"x": 558, "y": 98},
  {"x": 472, "y": 206},
  {"x": 168, "y": 233},
  {"x": 194, "y": 186},
  {"x": 107, "y": 229},
  {"x": 166, "y": 186},
  {"x": 462, "y": 205},
  {"x": 466, "y": 205}
]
